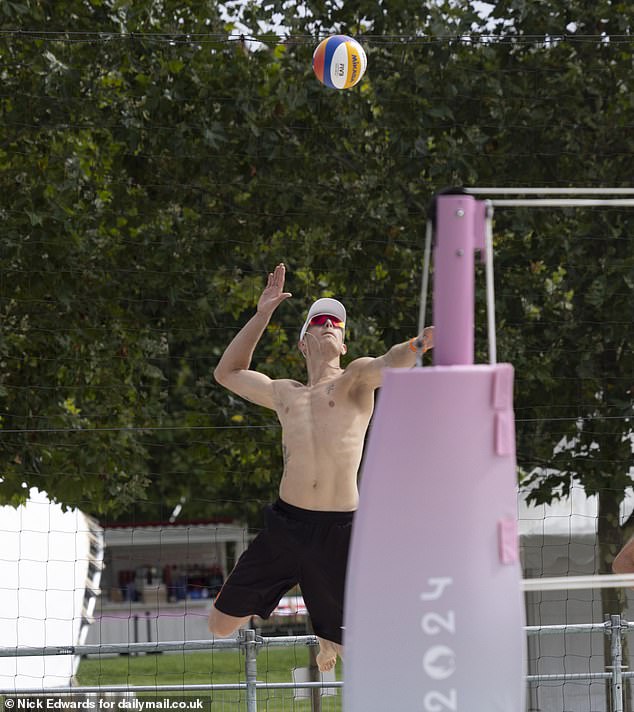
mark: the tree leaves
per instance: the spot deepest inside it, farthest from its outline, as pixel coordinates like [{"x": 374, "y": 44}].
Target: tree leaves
[{"x": 154, "y": 169}]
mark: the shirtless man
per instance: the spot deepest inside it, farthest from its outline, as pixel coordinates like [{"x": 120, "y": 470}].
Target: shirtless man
[
  {"x": 624, "y": 561},
  {"x": 324, "y": 422}
]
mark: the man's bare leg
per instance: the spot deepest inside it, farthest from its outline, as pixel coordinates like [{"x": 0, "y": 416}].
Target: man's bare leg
[
  {"x": 327, "y": 655},
  {"x": 223, "y": 625}
]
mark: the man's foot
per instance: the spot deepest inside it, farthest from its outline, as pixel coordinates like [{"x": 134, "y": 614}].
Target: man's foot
[{"x": 327, "y": 655}]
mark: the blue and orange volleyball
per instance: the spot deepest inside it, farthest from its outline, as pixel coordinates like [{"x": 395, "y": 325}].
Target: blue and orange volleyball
[{"x": 339, "y": 62}]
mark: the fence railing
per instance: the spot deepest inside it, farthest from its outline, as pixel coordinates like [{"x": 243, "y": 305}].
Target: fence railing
[
  {"x": 615, "y": 628},
  {"x": 249, "y": 644}
]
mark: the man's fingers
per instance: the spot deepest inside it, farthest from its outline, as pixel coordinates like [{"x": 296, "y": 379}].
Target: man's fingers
[{"x": 277, "y": 277}]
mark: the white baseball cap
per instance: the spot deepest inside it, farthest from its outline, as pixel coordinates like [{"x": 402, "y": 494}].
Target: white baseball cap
[{"x": 324, "y": 306}]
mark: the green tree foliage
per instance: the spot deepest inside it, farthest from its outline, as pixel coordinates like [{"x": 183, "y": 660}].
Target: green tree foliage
[{"x": 155, "y": 166}]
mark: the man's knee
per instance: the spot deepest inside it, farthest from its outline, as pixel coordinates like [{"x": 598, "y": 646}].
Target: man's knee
[
  {"x": 219, "y": 624},
  {"x": 222, "y": 625}
]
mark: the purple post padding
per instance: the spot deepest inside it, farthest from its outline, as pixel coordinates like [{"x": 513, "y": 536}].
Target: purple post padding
[
  {"x": 433, "y": 599},
  {"x": 460, "y": 231}
]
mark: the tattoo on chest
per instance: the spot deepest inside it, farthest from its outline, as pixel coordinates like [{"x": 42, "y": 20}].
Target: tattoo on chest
[
  {"x": 285, "y": 454},
  {"x": 330, "y": 389}
]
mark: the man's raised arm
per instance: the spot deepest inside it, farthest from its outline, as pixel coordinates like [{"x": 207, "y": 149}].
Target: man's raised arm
[{"x": 232, "y": 370}]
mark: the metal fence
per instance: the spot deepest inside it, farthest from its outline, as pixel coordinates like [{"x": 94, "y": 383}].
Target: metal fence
[
  {"x": 615, "y": 672},
  {"x": 247, "y": 642},
  {"x": 250, "y": 644}
]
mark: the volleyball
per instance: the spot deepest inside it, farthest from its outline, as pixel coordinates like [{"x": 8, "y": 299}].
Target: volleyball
[{"x": 339, "y": 62}]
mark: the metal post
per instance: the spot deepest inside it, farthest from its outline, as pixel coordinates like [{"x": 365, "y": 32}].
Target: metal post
[
  {"x": 135, "y": 622},
  {"x": 313, "y": 671},
  {"x": 616, "y": 653},
  {"x": 314, "y": 676},
  {"x": 247, "y": 641},
  {"x": 488, "y": 259},
  {"x": 425, "y": 286}
]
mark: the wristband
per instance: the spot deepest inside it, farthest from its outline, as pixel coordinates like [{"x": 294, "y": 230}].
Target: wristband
[{"x": 413, "y": 345}]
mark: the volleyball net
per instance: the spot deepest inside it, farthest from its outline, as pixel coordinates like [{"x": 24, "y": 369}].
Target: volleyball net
[{"x": 153, "y": 198}]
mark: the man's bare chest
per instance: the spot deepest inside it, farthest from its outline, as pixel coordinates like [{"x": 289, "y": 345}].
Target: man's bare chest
[{"x": 326, "y": 405}]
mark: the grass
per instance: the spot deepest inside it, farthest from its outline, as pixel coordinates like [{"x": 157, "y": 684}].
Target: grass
[{"x": 213, "y": 667}]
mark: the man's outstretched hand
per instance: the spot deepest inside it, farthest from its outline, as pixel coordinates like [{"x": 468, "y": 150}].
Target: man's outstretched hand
[
  {"x": 273, "y": 294},
  {"x": 426, "y": 339}
]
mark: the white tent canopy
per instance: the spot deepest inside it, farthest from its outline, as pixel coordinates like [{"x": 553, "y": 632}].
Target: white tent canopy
[{"x": 50, "y": 567}]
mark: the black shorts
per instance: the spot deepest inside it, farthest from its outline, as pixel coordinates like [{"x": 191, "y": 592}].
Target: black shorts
[{"x": 297, "y": 546}]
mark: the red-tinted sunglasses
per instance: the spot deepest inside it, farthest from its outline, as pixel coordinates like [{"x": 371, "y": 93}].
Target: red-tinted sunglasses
[{"x": 321, "y": 319}]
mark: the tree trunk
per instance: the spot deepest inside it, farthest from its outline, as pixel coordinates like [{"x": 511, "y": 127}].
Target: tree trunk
[{"x": 613, "y": 600}]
